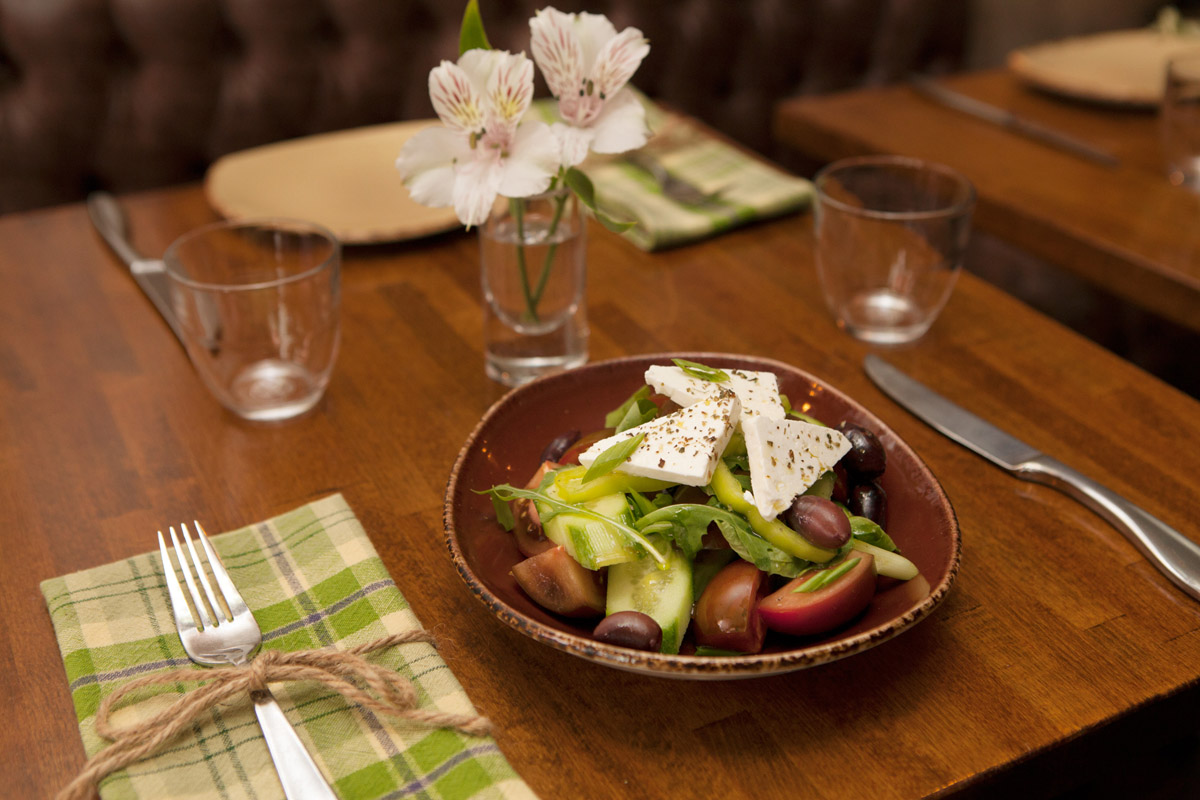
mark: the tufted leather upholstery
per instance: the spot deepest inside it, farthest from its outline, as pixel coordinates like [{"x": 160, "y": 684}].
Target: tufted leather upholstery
[{"x": 130, "y": 94}]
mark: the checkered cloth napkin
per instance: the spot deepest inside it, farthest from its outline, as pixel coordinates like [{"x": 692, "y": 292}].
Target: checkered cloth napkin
[
  {"x": 745, "y": 188},
  {"x": 313, "y": 580}
]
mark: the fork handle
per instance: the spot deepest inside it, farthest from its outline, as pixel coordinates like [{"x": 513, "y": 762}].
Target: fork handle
[{"x": 297, "y": 771}]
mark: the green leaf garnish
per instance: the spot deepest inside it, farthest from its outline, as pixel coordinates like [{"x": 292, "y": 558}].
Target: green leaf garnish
[
  {"x": 867, "y": 531},
  {"x": 704, "y": 650},
  {"x": 614, "y": 417},
  {"x": 613, "y": 457},
  {"x": 582, "y": 186},
  {"x": 826, "y": 577},
  {"x": 507, "y": 493},
  {"x": 800, "y": 415},
  {"x": 701, "y": 371},
  {"x": 471, "y": 35},
  {"x": 639, "y": 413},
  {"x": 504, "y": 513}
]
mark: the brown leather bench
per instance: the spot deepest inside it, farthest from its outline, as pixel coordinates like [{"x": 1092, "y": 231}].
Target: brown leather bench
[{"x": 130, "y": 94}]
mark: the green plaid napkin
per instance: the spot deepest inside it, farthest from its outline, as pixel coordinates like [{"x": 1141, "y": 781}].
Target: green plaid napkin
[
  {"x": 746, "y": 188},
  {"x": 313, "y": 580}
]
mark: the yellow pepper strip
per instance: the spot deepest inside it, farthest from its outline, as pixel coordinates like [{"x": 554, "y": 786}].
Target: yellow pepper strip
[
  {"x": 729, "y": 491},
  {"x": 572, "y": 489}
]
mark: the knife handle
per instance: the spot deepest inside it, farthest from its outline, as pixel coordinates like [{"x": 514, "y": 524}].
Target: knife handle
[
  {"x": 1170, "y": 551},
  {"x": 109, "y": 220}
]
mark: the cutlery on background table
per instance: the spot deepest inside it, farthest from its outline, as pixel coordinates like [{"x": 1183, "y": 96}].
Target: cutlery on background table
[
  {"x": 149, "y": 273},
  {"x": 1007, "y": 119},
  {"x": 1171, "y": 552},
  {"x": 212, "y": 638}
]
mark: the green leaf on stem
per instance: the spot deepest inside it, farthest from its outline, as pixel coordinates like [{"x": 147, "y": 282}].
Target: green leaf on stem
[
  {"x": 581, "y": 185},
  {"x": 615, "y": 416},
  {"x": 613, "y": 457},
  {"x": 471, "y": 36}
]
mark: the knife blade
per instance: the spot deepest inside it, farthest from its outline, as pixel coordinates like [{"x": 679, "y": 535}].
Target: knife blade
[
  {"x": 1176, "y": 556},
  {"x": 150, "y": 274},
  {"x": 1007, "y": 119}
]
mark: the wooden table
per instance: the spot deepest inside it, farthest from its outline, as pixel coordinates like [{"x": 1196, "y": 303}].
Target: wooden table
[
  {"x": 1058, "y": 649},
  {"x": 1125, "y": 229}
]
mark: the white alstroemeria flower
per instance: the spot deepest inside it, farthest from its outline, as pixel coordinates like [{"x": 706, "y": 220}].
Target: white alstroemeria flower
[
  {"x": 480, "y": 150},
  {"x": 586, "y": 64}
]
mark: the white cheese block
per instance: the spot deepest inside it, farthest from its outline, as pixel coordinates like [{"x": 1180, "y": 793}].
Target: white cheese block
[
  {"x": 786, "y": 457},
  {"x": 758, "y": 392},
  {"x": 683, "y": 447}
]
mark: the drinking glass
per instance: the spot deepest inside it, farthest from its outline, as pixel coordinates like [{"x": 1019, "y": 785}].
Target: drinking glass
[
  {"x": 533, "y": 259},
  {"x": 1179, "y": 120},
  {"x": 891, "y": 234},
  {"x": 258, "y": 304}
]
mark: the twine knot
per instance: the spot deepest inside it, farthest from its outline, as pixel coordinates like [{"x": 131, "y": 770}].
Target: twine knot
[{"x": 345, "y": 671}]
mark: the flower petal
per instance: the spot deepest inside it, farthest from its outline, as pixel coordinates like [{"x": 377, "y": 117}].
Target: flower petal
[
  {"x": 455, "y": 98},
  {"x": 593, "y": 31},
  {"x": 509, "y": 91},
  {"x": 573, "y": 143},
  {"x": 532, "y": 162},
  {"x": 475, "y": 190},
  {"x": 426, "y": 163},
  {"x": 621, "y": 125},
  {"x": 557, "y": 51},
  {"x": 618, "y": 60}
]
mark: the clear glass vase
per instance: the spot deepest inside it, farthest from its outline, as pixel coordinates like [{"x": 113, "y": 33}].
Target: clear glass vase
[{"x": 533, "y": 257}]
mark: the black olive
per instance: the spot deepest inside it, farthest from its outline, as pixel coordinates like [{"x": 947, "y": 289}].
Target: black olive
[
  {"x": 869, "y": 500},
  {"x": 818, "y": 520},
  {"x": 630, "y": 629},
  {"x": 867, "y": 459},
  {"x": 559, "y": 445}
]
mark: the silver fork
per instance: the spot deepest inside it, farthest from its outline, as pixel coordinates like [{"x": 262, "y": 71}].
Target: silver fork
[{"x": 217, "y": 629}]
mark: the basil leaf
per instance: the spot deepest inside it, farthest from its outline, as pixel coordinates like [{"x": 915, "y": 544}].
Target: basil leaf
[
  {"x": 867, "y": 531},
  {"x": 471, "y": 35},
  {"x": 640, "y": 412},
  {"x": 581, "y": 184},
  {"x": 614, "y": 417},
  {"x": 701, "y": 371},
  {"x": 613, "y": 457}
]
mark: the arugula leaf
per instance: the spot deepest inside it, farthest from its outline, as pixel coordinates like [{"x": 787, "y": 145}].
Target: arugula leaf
[
  {"x": 471, "y": 35},
  {"x": 613, "y": 457},
  {"x": 640, "y": 412},
  {"x": 704, "y": 373},
  {"x": 581, "y": 184},
  {"x": 867, "y": 531},
  {"x": 684, "y": 523},
  {"x": 614, "y": 417},
  {"x": 504, "y": 513},
  {"x": 507, "y": 493},
  {"x": 757, "y": 550}
]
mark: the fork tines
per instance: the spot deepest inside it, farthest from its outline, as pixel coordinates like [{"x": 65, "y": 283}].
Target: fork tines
[{"x": 209, "y": 611}]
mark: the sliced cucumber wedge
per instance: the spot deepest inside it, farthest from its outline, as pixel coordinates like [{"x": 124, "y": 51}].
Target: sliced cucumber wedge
[{"x": 665, "y": 595}]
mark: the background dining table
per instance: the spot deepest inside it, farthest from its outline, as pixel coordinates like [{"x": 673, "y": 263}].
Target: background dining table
[{"x": 1059, "y": 654}]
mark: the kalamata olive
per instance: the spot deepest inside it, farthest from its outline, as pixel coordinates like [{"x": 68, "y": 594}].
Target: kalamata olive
[
  {"x": 630, "y": 629},
  {"x": 818, "y": 520},
  {"x": 559, "y": 445},
  {"x": 869, "y": 500},
  {"x": 867, "y": 459},
  {"x": 841, "y": 484}
]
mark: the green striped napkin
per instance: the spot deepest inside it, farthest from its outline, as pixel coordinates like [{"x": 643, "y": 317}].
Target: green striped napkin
[
  {"x": 746, "y": 188},
  {"x": 313, "y": 580}
]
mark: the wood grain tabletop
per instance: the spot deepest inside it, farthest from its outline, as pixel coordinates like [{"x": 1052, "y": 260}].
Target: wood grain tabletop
[
  {"x": 1125, "y": 229},
  {"x": 1058, "y": 649}
]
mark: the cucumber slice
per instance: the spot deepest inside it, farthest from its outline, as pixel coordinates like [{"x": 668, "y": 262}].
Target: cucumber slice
[
  {"x": 592, "y": 542},
  {"x": 665, "y": 595}
]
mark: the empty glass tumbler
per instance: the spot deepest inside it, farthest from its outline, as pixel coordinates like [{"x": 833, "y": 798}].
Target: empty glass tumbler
[
  {"x": 258, "y": 304},
  {"x": 891, "y": 233}
]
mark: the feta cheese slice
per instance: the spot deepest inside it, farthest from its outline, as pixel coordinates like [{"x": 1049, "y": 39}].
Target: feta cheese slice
[
  {"x": 683, "y": 447},
  {"x": 758, "y": 392},
  {"x": 786, "y": 457}
]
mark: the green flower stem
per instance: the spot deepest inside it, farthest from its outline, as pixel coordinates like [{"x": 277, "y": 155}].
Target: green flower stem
[
  {"x": 560, "y": 203},
  {"x": 518, "y": 212}
]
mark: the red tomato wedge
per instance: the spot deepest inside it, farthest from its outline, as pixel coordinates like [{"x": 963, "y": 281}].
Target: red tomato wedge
[
  {"x": 836, "y": 603},
  {"x": 726, "y": 615},
  {"x": 557, "y": 582}
]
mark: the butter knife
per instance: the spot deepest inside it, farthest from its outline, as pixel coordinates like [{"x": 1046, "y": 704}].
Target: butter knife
[
  {"x": 1006, "y": 119},
  {"x": 1171, "y": 552},
  {"x": 149, "y": 273}
]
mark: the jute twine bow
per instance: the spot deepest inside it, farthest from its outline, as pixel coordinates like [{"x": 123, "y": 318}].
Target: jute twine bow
[{"x": 391, "y": 694}]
